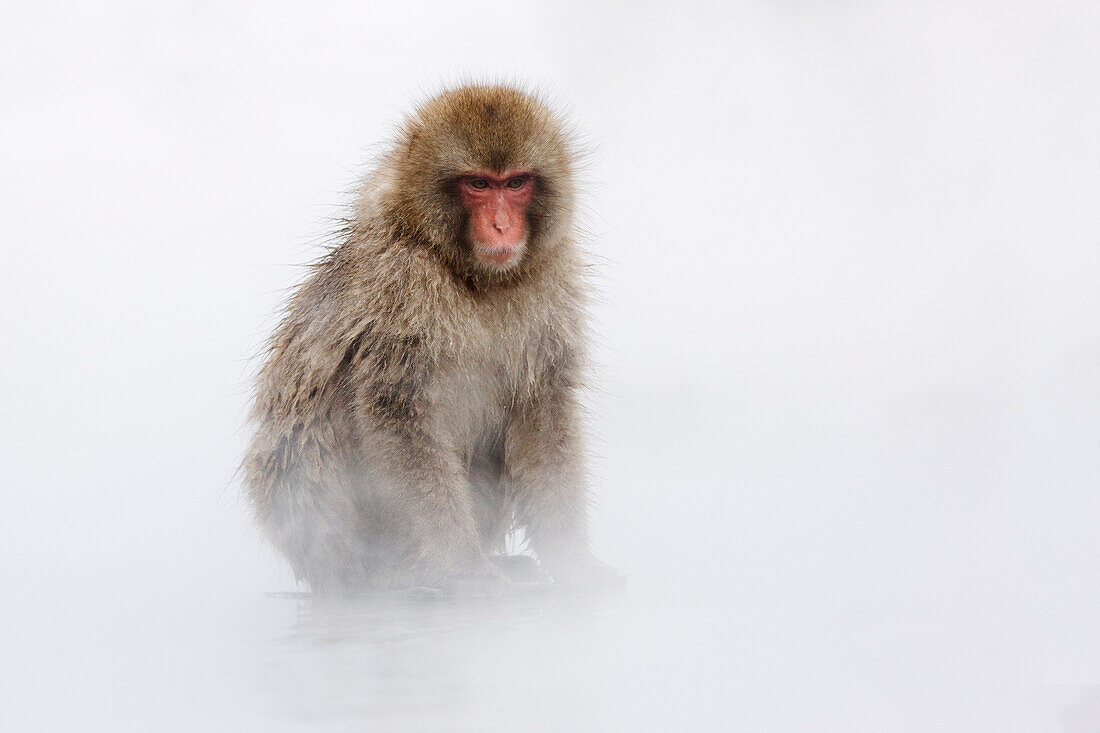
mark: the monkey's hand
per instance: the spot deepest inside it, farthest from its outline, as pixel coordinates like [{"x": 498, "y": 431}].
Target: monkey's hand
[
  {"x": 483, "y": 581},
  {"x": 520, "y": 568},
  {"x": 584, "y": 572}
]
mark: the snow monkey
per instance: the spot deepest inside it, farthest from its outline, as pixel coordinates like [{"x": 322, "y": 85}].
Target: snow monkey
[{"x": 419, "y": 399}]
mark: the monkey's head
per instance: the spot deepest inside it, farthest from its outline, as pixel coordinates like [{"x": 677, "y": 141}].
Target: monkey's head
[{"x": 484, "y": 176}]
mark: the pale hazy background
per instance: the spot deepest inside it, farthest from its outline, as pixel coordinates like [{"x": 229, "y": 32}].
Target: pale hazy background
[{"x": 848, "y": 425}]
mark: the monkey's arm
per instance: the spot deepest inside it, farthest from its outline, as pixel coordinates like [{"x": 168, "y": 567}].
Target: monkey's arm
[
  {"x": 427, "y": 490},
  {"x": 418, "y": 475},
  {"x": 545, "y": 467}
]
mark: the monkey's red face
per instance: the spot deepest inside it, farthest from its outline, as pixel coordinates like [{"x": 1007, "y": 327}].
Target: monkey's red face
[{"x": 498, "y": 214}]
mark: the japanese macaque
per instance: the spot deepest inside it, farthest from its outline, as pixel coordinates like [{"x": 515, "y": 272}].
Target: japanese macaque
[{"x": 419, "y": 400}]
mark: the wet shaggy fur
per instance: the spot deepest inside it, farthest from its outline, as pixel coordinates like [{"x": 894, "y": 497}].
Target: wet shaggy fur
[{"x": 415, "y": 405}]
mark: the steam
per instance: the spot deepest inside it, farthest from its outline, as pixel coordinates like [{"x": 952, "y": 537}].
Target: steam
[{"x": 846, "y": 419}]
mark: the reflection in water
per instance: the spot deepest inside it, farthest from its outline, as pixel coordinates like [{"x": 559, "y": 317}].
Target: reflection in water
[{"x": 391, "y": 663}]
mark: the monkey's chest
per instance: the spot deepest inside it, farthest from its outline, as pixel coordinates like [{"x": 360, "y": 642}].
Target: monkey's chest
[{"x": 476, "y": 391}]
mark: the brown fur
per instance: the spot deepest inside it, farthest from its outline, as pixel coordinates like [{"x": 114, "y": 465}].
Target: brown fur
[{"x": 414, "y": 404}]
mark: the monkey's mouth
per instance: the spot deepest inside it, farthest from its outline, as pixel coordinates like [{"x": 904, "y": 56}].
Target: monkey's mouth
[{"x": 500, "y": 256}]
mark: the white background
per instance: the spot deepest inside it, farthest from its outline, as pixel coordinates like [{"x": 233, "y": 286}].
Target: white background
[{"x": 847, "y": 424}]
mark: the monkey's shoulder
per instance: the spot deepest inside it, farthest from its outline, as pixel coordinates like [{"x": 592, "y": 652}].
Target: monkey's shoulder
[
  {"x": 383, "y": 325},
  {"x": 339, "y": 317}
]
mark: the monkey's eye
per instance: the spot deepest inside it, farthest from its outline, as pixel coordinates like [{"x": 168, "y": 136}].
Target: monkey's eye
[
  {"x": 479, "y": 183},
  {"x": 516, "y": 182}
]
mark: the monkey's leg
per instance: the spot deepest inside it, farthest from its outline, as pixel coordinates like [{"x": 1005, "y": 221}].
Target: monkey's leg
[
  {"x": 307, "y": 509},
  {"x": 316, "y": 531},
  {"x": 545, "y": 469}
]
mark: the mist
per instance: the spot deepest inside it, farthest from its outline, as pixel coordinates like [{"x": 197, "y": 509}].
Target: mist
[{"x": 846, "y": 415}]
